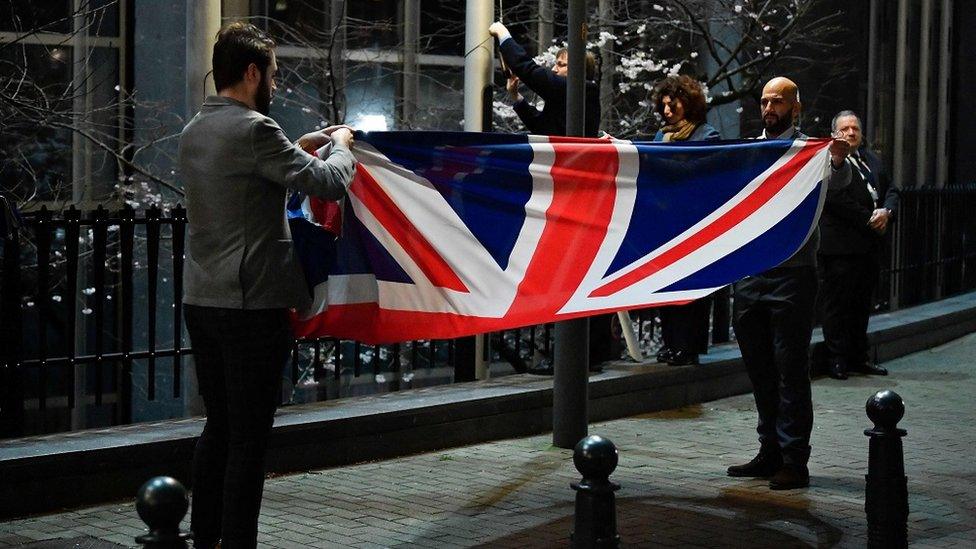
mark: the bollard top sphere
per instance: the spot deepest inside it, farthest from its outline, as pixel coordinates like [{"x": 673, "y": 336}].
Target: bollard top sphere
[
  {"x": 162, "y": 503},
  {"x": 885, "y": 409},
  {"x": 595, "y": 457}
]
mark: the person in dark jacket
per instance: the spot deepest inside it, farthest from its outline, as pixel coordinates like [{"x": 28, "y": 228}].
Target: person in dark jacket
[
  {"x": 852, "y": 229},
  {"x": 680, "y": 102},
  {"x": 549, "y": 84},
  {"x": 772, "y": 314}
]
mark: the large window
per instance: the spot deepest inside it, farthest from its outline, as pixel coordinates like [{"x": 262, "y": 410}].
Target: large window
[
  {"x": 367, "y": 75},
  {"x": 61, "y": 76}
]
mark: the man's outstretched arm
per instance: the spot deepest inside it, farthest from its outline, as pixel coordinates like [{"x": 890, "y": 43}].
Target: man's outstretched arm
[{"x": 539, "y": 79}]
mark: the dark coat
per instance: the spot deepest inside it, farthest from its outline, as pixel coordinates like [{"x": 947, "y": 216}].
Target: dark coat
[
  {"x": 844, "y": 221},
  {"x": 552, "y": 89}
]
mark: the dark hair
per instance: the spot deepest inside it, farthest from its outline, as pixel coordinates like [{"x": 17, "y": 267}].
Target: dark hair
[
  {"x": 238, "y": 45},
  {"x": 590, "y": 62},
  {"x": 686, "y": 89},
  {"x": 843, "y": 114}
]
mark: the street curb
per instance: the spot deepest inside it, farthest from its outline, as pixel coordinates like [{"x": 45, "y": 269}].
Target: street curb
[{"x": 50, "y": 473}]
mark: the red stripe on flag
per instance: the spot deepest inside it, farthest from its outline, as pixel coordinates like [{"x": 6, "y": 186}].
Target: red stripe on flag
[
  {"x": 763, "y": 194},
  {"x": 404, "y": 232},
  {"x": 368, "y": 323},
  {"x": 584, "y": 190}
]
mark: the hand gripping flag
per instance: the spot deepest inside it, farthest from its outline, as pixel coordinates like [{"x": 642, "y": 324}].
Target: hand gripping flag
[{"x": 451, "y": 234}]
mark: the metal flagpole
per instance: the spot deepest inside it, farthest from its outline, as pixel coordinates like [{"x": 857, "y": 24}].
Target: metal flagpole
[
  {"x": 569, "y": 386},
  {"x": 478, "y": 46}
]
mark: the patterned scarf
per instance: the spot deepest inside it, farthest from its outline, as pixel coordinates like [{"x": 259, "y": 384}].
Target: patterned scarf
[{"x": 679, "y": 131}]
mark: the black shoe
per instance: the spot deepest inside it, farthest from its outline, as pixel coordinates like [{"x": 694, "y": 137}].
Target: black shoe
[
  {"x": 682, "y": 358},
  {"x": 872, "y": 369},
  {"x": 543, "y": 368},
  {"x": 664, "y": 354},
  {"x": 837, "y": 371},
  {"x": 763, "y": 465},
  {"x": 790, "y": 476}
]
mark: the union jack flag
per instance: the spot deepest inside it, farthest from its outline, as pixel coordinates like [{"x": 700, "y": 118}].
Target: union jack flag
[{"x": 451, "y": 234}]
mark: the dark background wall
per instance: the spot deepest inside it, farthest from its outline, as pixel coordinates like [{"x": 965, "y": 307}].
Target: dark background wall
[{"x": 962, "y": 160}]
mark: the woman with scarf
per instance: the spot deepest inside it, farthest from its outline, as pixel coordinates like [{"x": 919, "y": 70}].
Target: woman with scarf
[{"x": 680, "y": 102}]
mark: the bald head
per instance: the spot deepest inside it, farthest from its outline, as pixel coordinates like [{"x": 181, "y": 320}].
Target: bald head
[
  {"x": 780, "y": 104},
  {"x": 784, "y": 87}
]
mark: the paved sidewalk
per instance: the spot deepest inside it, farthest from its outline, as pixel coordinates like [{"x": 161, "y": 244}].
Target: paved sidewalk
[{"x": 515, "y": 493}]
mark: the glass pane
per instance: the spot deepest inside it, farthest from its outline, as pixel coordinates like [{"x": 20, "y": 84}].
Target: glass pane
[
  {"x": 104, "y": 19},
  {"x": 370, "y": 94},
  {"x": 442, "y": 27},
  {"x": 299, "y": 21},
  {"x": 372, "y": 24},
  {"x": 441, "y": 99},
  {"x": 103, "y": 120},
  {"x": 28, "y": 15},
  {"x": 35, "y": 157},
  {"x": 296, "y": 106},
  {"x": 35, "y": 147}
]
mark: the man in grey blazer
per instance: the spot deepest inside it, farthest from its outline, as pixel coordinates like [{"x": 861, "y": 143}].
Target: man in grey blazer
[{"x": 241, "y": 275}]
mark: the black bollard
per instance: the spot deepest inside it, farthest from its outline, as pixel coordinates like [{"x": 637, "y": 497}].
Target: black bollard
[
  {"x": 886, "y": 490},
  {"x": 595, "y": 522},
  {"x": 162, "y": 503}
]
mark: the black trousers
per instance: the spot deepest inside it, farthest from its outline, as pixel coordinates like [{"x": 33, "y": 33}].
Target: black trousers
[
  {"x": 604, "y": 342},
  {"x": 846, "y": 289},
  {"x": 685, "y": 327},
  {"x": 239, "y": 357},
  {"x": 772, "y": 315}
]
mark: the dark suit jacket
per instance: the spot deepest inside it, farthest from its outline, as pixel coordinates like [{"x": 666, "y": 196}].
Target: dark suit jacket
[
  {"x": 844, "y": 221},
  {"x": 551, "y": 88}
]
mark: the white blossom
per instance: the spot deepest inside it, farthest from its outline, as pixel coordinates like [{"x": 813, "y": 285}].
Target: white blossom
[{"x": 604, "y": 37}]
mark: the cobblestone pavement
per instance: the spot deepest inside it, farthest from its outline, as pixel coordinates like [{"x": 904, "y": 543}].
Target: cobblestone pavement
[{"x": 515, "y": 493}]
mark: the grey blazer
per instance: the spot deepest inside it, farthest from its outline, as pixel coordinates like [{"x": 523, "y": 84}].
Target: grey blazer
[{"x": 236, "y": 165}]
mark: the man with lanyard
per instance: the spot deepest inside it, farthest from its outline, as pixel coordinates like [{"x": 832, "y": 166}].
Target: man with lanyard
[{"x": 853, "y": 224}]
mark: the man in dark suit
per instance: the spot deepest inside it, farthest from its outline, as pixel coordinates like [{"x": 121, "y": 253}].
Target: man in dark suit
[
  {"x": 773, "y": 319},
  {"x": 241, "y": 273},
  {"x": 853, "y": 225},
  {"x": 550, "y": 85}
]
